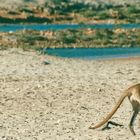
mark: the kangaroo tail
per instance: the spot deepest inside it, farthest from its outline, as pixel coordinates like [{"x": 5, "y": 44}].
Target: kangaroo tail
[{"x": 111, "y": 113}]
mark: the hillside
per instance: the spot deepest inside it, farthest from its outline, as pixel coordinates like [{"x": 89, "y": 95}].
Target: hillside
[
  {"x": 70, "y": 11},
  {"x": 17, "y": 3}
]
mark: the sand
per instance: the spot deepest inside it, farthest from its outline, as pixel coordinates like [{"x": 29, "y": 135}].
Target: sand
[{"x": 61, "y": 100}]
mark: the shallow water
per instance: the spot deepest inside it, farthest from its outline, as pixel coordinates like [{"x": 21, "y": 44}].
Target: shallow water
[
  {"x": 94, "y": 53},
  {"x": 14, "y": 27}
]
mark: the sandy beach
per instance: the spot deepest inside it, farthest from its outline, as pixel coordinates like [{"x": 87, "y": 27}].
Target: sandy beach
[{"x": 61, "y": 100}]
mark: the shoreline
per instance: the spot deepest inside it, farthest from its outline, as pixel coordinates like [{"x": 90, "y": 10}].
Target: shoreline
[
  {"x": 45, "y": 20},
  {"x": 127, "y": 58},
  {"x": 134, "y": 58}
]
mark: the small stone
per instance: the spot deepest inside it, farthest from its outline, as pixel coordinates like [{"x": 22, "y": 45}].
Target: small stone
[{"x": 99, "y": 89}]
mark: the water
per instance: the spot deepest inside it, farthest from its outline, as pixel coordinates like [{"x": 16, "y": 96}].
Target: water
[
  {"x": 9, "y": 27},
  {"x": 81, "y": 53},
  {"x": 94, "y": 53}
]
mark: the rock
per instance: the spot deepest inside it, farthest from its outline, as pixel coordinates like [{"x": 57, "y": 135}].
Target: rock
[{"x": 46, "y": 63}]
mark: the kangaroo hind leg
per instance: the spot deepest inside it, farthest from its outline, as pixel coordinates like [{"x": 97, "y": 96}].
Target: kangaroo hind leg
[{"x": 135, "y": 113}]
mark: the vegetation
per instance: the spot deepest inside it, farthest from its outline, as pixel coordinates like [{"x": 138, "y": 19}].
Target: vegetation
[
  {"x": 68, "y": 11},
  {"x": 89, "y": 38},
  {"x": 71, "y": 11}
]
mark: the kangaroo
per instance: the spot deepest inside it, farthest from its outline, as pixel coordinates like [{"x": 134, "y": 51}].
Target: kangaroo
[{"x": 133, "y": 94}]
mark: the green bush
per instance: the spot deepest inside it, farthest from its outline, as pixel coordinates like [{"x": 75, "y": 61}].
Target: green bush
[
  {"x": 87, "y": 38},
  {"x": 104, "y": 15},
  {"x": 133, "y": 9},
  {"x": 89, "y": 13}
]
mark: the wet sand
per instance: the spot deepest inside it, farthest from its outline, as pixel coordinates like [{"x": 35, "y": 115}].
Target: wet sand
[{"x": 61, "y": 100}]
